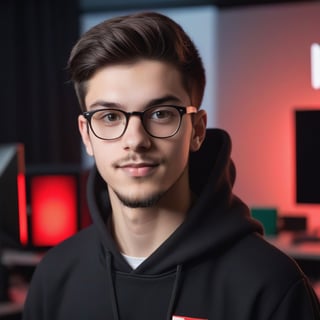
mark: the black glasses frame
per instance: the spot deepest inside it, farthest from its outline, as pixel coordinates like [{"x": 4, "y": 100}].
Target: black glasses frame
[{"x": 182, "y": 111}]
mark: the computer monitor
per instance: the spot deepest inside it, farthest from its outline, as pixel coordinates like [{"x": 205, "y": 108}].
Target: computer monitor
[
  {"x": 13, "y": 215},
  {"x": 307, "y": 127}
]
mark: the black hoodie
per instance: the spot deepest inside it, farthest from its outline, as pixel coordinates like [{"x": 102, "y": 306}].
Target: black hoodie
[{"x": 215, "y": 266}]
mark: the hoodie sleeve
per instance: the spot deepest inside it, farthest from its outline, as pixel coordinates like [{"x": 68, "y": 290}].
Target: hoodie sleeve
[
  {"x": 33, "y": 308},
  {"x": 299, "y": 303}
]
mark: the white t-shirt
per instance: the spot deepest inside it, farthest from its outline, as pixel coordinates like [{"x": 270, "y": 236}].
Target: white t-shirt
[{"x": 134, "y": 262}]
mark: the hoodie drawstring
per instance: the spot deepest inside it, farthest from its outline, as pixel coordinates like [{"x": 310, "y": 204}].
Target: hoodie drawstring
[
  {"x": 174, "y": 292},
  {"x": 114, "y": 304}
]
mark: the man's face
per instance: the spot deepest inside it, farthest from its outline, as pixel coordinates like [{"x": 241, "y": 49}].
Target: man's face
[{"x": 138, "y": 168}]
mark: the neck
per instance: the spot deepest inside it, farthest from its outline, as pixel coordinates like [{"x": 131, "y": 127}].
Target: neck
[{"x": 140, "y": 231}]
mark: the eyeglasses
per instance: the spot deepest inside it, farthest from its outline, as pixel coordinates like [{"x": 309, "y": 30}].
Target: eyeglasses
[{"x": 162, "y": 121}]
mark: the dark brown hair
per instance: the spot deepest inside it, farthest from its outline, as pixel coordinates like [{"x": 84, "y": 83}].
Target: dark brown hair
[{"x": 131, "y": 38}]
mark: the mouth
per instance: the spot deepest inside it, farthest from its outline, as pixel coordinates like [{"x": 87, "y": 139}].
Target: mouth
[{"x": 142, "y": 169}]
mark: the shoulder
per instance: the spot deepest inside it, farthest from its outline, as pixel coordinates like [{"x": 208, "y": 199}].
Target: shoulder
[
  {"x": 63, "y": 269},
  {"x": 69, "y": 253},
  {"x": 258, "y": 253},
  {"x": 273, "y": 276},
  {"x": 262, "y": 265}
]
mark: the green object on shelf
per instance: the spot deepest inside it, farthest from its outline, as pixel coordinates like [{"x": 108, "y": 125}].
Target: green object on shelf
[{"x": 268, "y": 217}]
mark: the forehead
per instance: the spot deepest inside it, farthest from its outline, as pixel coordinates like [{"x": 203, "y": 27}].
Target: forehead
[{"x": 135, "y": 84}]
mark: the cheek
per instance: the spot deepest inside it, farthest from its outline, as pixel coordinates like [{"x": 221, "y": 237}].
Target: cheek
[
  {"x": 181, "y": 147},
  {"x": 85, "y": 135},
  {"x": 103, "y": 156},
  {"x": 180, "y": 156}
]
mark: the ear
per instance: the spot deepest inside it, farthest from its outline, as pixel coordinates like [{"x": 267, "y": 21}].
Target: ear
[
  {"x": 84, "y": 131},
  {"x": 199, "y": 130}
]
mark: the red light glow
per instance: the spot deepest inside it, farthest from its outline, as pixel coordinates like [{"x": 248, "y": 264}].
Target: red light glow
[
  {"x": 22, "y": 205},
  {"x": 54, "y": 208}
]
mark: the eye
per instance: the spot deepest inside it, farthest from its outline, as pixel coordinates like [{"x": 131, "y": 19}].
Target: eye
[
  {"x": 109, "y": 117},
  {"x": 162, "y": 114}
]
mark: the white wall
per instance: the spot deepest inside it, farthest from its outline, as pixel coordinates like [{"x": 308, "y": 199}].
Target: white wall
[
  {"x": 201, "y": 25},
  {"x": 258, "y": 68},
  {"x": 263, "y": 76}
]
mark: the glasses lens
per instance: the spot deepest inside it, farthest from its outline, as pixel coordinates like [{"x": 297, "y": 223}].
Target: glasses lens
[
  {"x": 162, "y": 121},
  {"x": 108, "y": 124}
]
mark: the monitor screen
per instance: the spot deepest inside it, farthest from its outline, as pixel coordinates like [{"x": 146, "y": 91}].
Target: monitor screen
[
  {"x": 13, "y": 217},
  {"x": 307, "y": 126}
]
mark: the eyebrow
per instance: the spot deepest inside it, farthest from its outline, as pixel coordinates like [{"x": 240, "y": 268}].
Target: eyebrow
[{"x": 157, "y": 101}]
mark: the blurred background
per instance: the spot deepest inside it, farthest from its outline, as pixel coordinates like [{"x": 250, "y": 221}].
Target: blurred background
[
  {"x": 258, "y": 60},
  {"x": 257, "y": 55}
]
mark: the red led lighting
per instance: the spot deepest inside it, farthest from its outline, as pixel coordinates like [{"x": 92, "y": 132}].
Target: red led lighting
[
  {"x": 22, "y": 205},
  {"x": 53, "y": 208}
]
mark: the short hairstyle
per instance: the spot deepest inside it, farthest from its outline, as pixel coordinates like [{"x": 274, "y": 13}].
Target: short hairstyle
[{"x": 130, "y": 38}]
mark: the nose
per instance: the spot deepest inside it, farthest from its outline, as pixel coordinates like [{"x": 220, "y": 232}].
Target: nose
[{"x": 135, "y": 136}]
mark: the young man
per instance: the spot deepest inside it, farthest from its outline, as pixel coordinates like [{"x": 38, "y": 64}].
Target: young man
[{"x": 163, "y": 245}]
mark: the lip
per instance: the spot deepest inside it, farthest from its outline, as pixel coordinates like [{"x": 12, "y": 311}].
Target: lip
[{"x": 138, "y": 169}]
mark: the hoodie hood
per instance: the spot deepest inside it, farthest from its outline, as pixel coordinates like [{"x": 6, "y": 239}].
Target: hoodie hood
[{"x": 216, "y": 222}]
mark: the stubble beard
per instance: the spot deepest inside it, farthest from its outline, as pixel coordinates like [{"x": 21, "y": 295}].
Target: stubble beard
[{"x": 147, "y": 202}]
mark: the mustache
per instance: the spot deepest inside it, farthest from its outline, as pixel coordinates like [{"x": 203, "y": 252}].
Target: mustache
[{"x": 132, "y": 158}]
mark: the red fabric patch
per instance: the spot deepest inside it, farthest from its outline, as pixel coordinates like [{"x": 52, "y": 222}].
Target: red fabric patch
[{"x": 186, "y": 318}]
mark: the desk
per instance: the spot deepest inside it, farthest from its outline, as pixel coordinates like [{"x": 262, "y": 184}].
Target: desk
[
  {"x": 304, "y": 250},
  {"x": 20, "y": 258},
  {"x": 11, "y": 259},
  {"x": 10, "y": 309}
]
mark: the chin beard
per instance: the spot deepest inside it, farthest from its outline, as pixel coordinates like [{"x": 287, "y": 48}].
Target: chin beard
[{"x": 140, "y": 203}]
